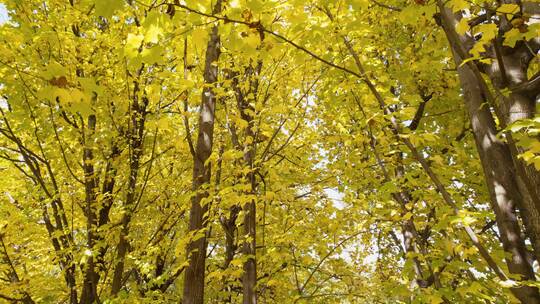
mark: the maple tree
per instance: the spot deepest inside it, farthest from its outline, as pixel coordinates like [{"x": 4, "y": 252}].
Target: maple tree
[{"x": 251, "y": 151}]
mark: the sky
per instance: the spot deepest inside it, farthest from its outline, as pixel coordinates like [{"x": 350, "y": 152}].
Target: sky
[{"x": 3, "y": 13}]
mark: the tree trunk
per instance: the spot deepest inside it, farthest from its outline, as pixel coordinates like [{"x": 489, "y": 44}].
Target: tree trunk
[
  {"x": 196, "y": 248},
  {"x": 508, "y": 70},
  {"x": 249, "y": 278},
  {"x": 136, "y": 133},
  {"x": 498, "y": 171},
  {"x": 501, "y": 182},
  {"x": 91, "y": 277}
]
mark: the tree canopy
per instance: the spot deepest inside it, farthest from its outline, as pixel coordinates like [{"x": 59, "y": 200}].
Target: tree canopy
[{"x": 265, "y": 151}]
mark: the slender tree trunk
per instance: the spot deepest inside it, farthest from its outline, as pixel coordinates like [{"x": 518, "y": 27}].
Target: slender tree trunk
[
  {"x": 408, "y": 228},
  {"x": 249, "y": 278},
  {"x": 136, "y": 134},
  {"x": 196, "y": 249},
  {"x": 61, "y": 240},
  {"x": 104, "y": 208},
  {"x": 229, "y": 227},
  {"x": 231, "y": 246},
  {"x": 11, "y": 272},
  {"x": 91, "y": 277}
]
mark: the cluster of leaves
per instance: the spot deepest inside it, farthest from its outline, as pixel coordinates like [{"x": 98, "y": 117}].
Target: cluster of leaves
[{"x": 357, "y": 121}]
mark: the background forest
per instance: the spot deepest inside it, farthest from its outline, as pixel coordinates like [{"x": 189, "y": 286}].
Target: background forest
[{"x": 269, "y": 151}]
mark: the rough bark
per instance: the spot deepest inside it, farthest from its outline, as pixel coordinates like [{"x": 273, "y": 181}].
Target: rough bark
[{"x": 196, "y": 249}]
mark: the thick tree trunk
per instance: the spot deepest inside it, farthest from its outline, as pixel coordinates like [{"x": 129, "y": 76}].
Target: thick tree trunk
[
  {"x": 508, "y": 70},
  {"x": 527, "y": 177},
  {"x": 499, "y": 173},
  {"x": 501, "y": 181},
  {"x": 196, "y": 249}
]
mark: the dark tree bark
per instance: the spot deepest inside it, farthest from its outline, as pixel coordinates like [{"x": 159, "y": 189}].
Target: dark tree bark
[
  {"x": 91, "y": 277},
  {"x": 249, "y": 279},
  {"x": 12, "y": 274},
  {"x": 136, "y": 138},
  {"x": 57, "y": 229},
  {"x": 196, "y": 249}
]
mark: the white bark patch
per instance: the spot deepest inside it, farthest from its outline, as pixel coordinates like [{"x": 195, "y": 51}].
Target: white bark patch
[
  {"x": 206, "y": 140},
  {"x": 514, "y": 73},
  {"x": 206, "y": 116},
  {"x": 487, "y": 141},
  {"x": 502, "y": 197}
]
